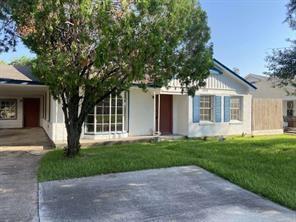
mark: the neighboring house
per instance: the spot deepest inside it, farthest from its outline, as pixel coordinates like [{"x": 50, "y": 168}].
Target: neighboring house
[
  {"x": 267, "y": 88},
  {"x": 222, "y": 107}
]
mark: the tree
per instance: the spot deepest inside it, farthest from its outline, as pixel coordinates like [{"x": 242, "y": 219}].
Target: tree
[
  {"x": 87, "y": 49},
  {"x": 282, "y": 63},
  {"x": 8, "y": 34},
  {"x": 23, "y": 61}
]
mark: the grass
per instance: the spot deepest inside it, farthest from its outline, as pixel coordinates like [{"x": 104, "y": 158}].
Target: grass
[{"x": 265, "y": 165}]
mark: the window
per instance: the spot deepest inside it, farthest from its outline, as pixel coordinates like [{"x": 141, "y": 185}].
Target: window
[
  {"x": 235, "y": 108},
  {"x": 108, "y": 116},
  {"x": 290, "y": 108},
  {"x": 8, "y": 109},
  {"x": 206, "y": 108}
]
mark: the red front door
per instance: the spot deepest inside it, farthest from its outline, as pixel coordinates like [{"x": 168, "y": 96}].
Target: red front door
[
  {"x": 166, "y": 114},
  {"x": 31, "y": 112}
]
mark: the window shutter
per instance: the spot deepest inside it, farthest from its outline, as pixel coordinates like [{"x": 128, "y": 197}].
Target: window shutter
[
  {"x": 196, "y": 109},
  {"x": 218, "y": 109},
  {"x": 226, "y": 108}
]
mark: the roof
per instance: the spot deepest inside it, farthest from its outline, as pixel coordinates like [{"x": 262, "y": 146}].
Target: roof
[
  {"x": 267, "y": 87},
  {"x": 235, "y": 74},
  {"x": 16, "y": 74}
]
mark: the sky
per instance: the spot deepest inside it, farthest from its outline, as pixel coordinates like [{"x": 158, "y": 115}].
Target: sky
[{"x": 243, "y": 32}]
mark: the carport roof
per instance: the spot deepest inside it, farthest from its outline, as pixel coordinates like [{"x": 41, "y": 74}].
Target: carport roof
[{"x": 16, "y": 74}]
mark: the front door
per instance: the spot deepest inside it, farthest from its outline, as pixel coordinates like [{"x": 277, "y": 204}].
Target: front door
[
  {"x": 31, "y": 112},
  {"x": 166, "y": 114}
]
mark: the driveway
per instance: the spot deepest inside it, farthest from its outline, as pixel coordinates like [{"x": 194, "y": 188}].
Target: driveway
[
  {"x": 172, "y": 194},
  {"x": 18, "y": 186}
]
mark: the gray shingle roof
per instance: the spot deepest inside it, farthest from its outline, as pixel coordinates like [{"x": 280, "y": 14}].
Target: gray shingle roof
[
  {"x": 267, "y": 87},
  {"x": 16, "y": 74}
]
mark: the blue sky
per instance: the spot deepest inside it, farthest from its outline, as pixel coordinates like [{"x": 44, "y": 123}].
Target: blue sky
[{"x": 243, "y": 32}]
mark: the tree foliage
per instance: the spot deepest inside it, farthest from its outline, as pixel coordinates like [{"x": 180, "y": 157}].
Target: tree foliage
[
  {"x": 8, "y": 34},
  {"x": 23, "y": 61},
  {"x": 282, "y": 63},
  {"x": 291, "y": 14},
  {"x": 89, "y": 49}
]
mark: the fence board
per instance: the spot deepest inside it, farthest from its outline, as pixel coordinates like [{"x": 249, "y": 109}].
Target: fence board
[{"x": 267, "y": 114}]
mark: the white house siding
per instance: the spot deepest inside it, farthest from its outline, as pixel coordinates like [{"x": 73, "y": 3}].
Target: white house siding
[
  {"x": 54, "y": 124},
  {"x": 222, "y": 85},
  {"x": 216, "y": 85},
  {"x": 141, "y": 115},
  {"x": 223, "y": 128},
  {"x": 180, "y": 114}
]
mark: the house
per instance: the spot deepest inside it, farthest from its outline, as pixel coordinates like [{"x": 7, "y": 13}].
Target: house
[
  {"x": 222, "y": 107},
  {"x": 267, "y": 88}
]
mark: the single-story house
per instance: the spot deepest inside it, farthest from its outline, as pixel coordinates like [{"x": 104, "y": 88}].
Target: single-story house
[
  {"x": 222, "y": 107},
  {"x": 267, "y": 88}
]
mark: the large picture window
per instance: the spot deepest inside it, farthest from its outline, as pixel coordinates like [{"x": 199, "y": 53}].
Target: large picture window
[
  {"x": 235, "y": 108},
  {"x": 8, "y": 108},
  {"x": 108, "y": 116},
  {"x": 206, "y": 108}
]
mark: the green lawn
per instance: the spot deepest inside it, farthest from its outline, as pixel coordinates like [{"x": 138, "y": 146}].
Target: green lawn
[{"x": 265, "y": 165}]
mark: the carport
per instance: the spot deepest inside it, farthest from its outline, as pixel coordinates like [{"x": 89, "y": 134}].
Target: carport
[{"x": 24, "y": 109}]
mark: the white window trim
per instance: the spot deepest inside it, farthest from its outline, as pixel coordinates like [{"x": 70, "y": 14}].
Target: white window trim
[
  {"x": 240, "y": 120},
  {"x": 212, "y": 108},
  {"x": 109, "y": 132}
]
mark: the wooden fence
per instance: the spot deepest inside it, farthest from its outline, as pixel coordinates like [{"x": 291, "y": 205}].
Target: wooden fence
[{"x": 267, "y": 114}]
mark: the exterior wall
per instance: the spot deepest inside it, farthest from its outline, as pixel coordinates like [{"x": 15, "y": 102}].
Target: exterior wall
[
  {"x": 141, "y": 113},
  {"x": 141, "y": 108},
  {"x": 213, "y": 82},
  {"x": 54, "y": 125},
  {"x": 180, "y": 114},
  {"x": 223, "y": 128}
]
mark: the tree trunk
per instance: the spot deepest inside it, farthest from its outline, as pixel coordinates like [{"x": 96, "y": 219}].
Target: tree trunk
[{"x": 73, "y": 140}]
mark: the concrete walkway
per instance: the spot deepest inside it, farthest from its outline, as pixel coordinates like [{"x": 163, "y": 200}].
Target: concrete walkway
[
  {"x": 172, "y": 194},
  {"x": 18, "y": 186}
]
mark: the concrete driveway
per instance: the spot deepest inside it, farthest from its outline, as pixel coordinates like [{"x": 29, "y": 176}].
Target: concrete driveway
[
  {"x": 18, "y": 186},
  {"x": 172, "y": 194}
]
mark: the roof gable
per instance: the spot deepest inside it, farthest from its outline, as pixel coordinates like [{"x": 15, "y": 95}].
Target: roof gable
[{"x": 234, "y": 75}]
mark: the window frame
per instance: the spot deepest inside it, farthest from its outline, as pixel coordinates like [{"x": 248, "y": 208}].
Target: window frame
[
  {"x": 108, "y": 115},
  {"x": 211, "y": 109},
  {"x": 289, "y": 109},
  {"x": 16, "y": 108},
  {"x": 239, "y": 108}
]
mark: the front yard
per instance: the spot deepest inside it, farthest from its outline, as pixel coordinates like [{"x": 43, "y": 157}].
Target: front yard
[{"x": 265, "y": 165}]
